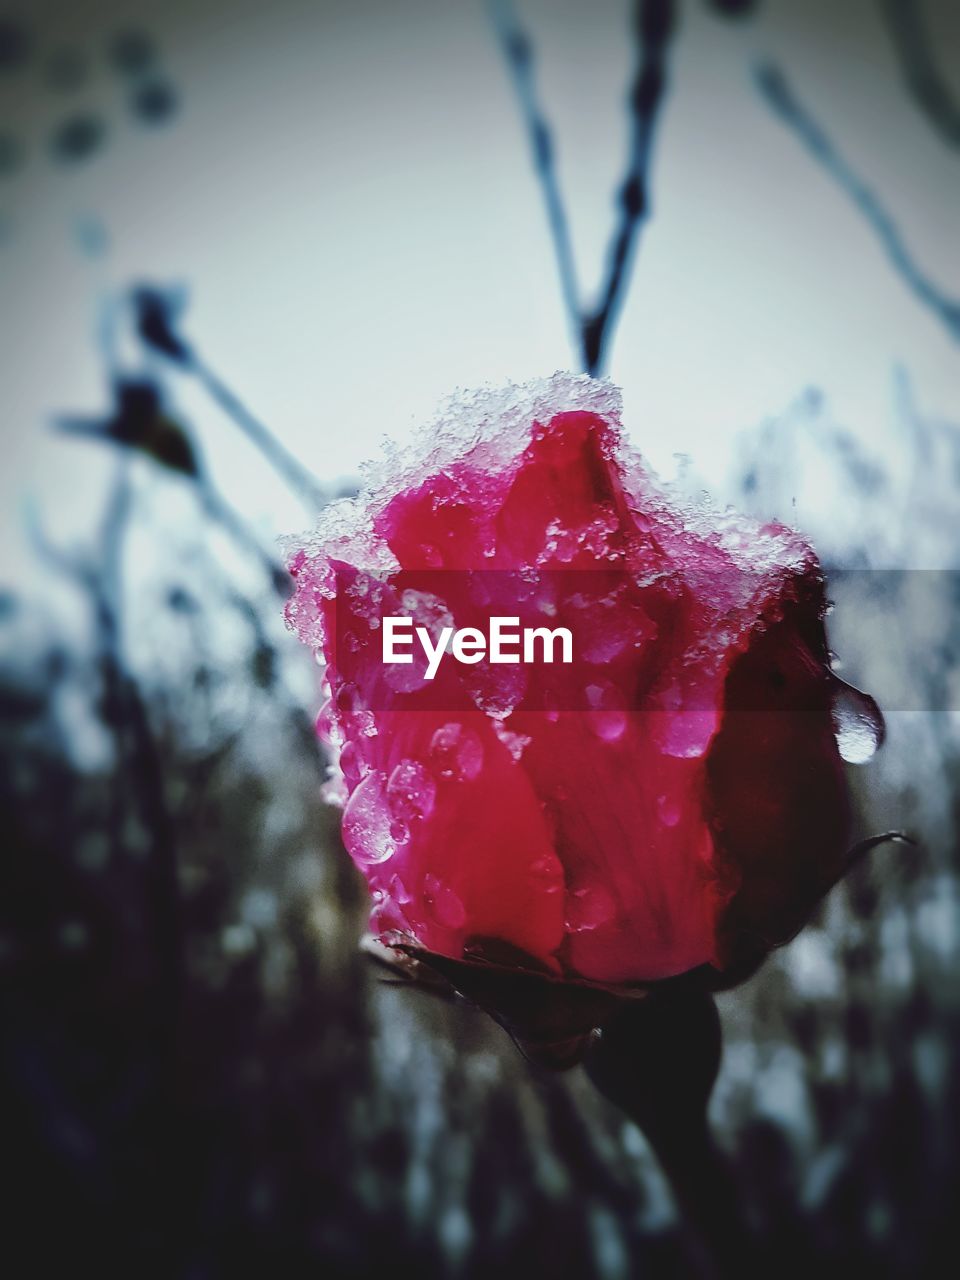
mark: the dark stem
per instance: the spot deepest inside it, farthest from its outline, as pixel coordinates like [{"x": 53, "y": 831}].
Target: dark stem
[
  {"x": 701, "y": 1178},
  {"x": 780, "y": 96},
  {"x": 657, "y": 1060}
]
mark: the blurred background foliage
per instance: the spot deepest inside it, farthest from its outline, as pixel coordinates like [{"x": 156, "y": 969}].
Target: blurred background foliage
[{"x": 201, "y": 1074}]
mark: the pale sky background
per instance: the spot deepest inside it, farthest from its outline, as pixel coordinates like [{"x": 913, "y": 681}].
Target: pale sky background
[{"x": 347, "y": 192}]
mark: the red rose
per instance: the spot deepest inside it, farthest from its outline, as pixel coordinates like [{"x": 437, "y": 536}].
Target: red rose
[{"x": 672, "y": 797}]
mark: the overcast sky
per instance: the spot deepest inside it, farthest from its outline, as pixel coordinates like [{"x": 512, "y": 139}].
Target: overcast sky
[{"x": 346, "y": 190}]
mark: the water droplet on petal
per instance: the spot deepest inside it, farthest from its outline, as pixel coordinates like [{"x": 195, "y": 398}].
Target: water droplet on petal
[
  {"x": 457, "y": 752},
  {"x": 328, "y": 730},
  {"x": 608, "y": 725},
  {"x": 685, "y": 735},
  {"x": 495, "y": 690},
  {"x": 399, "y": 891},
  {"x": 334, "y": 790},
  {"x": 352, "y": 765},
  {"x": 857, "y": 723},
  {"x": 607, "y": 720},
  {"x": 387, "y": 916},
  {"x": 367, "y": 821},
  {"x": 411, "y": 790},
  {"x": 668, "y": 810},
  {"x": 348, "y": 698},
  {"x": 547, "y": 875},
  {"x": 443, "y": 904},
  {"x": 587, "y": 909}
]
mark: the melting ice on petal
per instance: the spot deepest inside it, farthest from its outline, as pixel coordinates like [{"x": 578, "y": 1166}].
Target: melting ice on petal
[
  {"x": 637, "y": 824},
  {"x": 668, "y": 810},
  {"x": 457, "y": 752},
  {"x": 686, "y": 734},
  {"x": 496, "y": 691},
  {"x": 367, "y": 823},
  {"x": 516, "y": 743},
  {"x": 328, "y": 730},
  {"x": 607, "y": 720},
  {"x": 587, "y": 909},
  {"x": 443, "y": 904},
  {"x": 411, "y": 790}
]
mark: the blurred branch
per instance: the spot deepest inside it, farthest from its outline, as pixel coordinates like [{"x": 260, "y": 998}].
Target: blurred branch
[
  {"x": 782, "y": 100},
  {"x": 518, "y": 53},
  {"x": 157, "y": 314},
  {"x": 653, "y": 26},
  {"x": 140, "y": 423},
  {"x": 217, "y": 509},
  {"x": 288, "y": 467},
  {"x": 139, "y": 766},
  {"x": 925, "y": 83}
]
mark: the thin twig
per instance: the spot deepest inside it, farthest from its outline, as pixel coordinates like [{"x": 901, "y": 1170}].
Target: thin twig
[
  {"x": 156, "y": 314},
  {"x": 139, "y": 767},
  {"x": 922, "y": 76},
  {"x": 518, "y": 53},
  {"x": 218, "y": 510},
  {"x": 653, "y": 25},
  {"x": 779, "y": 95},
  {"x": 287, "y": 466}
]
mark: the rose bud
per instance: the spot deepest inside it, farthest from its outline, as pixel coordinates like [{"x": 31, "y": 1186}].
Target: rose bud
[{"x": 556, "y": 833}]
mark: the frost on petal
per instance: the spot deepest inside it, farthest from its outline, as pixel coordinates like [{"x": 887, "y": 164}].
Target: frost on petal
[{"x": 623, "y": 817}]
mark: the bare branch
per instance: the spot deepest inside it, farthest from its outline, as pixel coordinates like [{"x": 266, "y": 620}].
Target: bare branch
[
  {"x": 653, "y": 24},
  {"x": 219, "y": 510},
  {"x": 781, "y": 98},
  {"x": 287, "y": 466},
  {"x": 518, "y": 54},
  {"x": 922, "y": 76},
  {"x": 139, "y": 768},
  {"x": 157, "y": 314}
]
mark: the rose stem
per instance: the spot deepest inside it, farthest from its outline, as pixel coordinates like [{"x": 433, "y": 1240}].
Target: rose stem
[{"x": 657, "y": 1060}]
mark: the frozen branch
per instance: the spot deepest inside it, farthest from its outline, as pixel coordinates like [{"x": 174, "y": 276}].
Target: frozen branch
[
  {"x": 653, "y": 25},
  {"x": 156, "y": 316},
  {"x": 780, "y": 97},
  {"x": 922, "y": 76},
  {"x": 518, "y": 54},
  {"x": 286, "y": 465}
]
